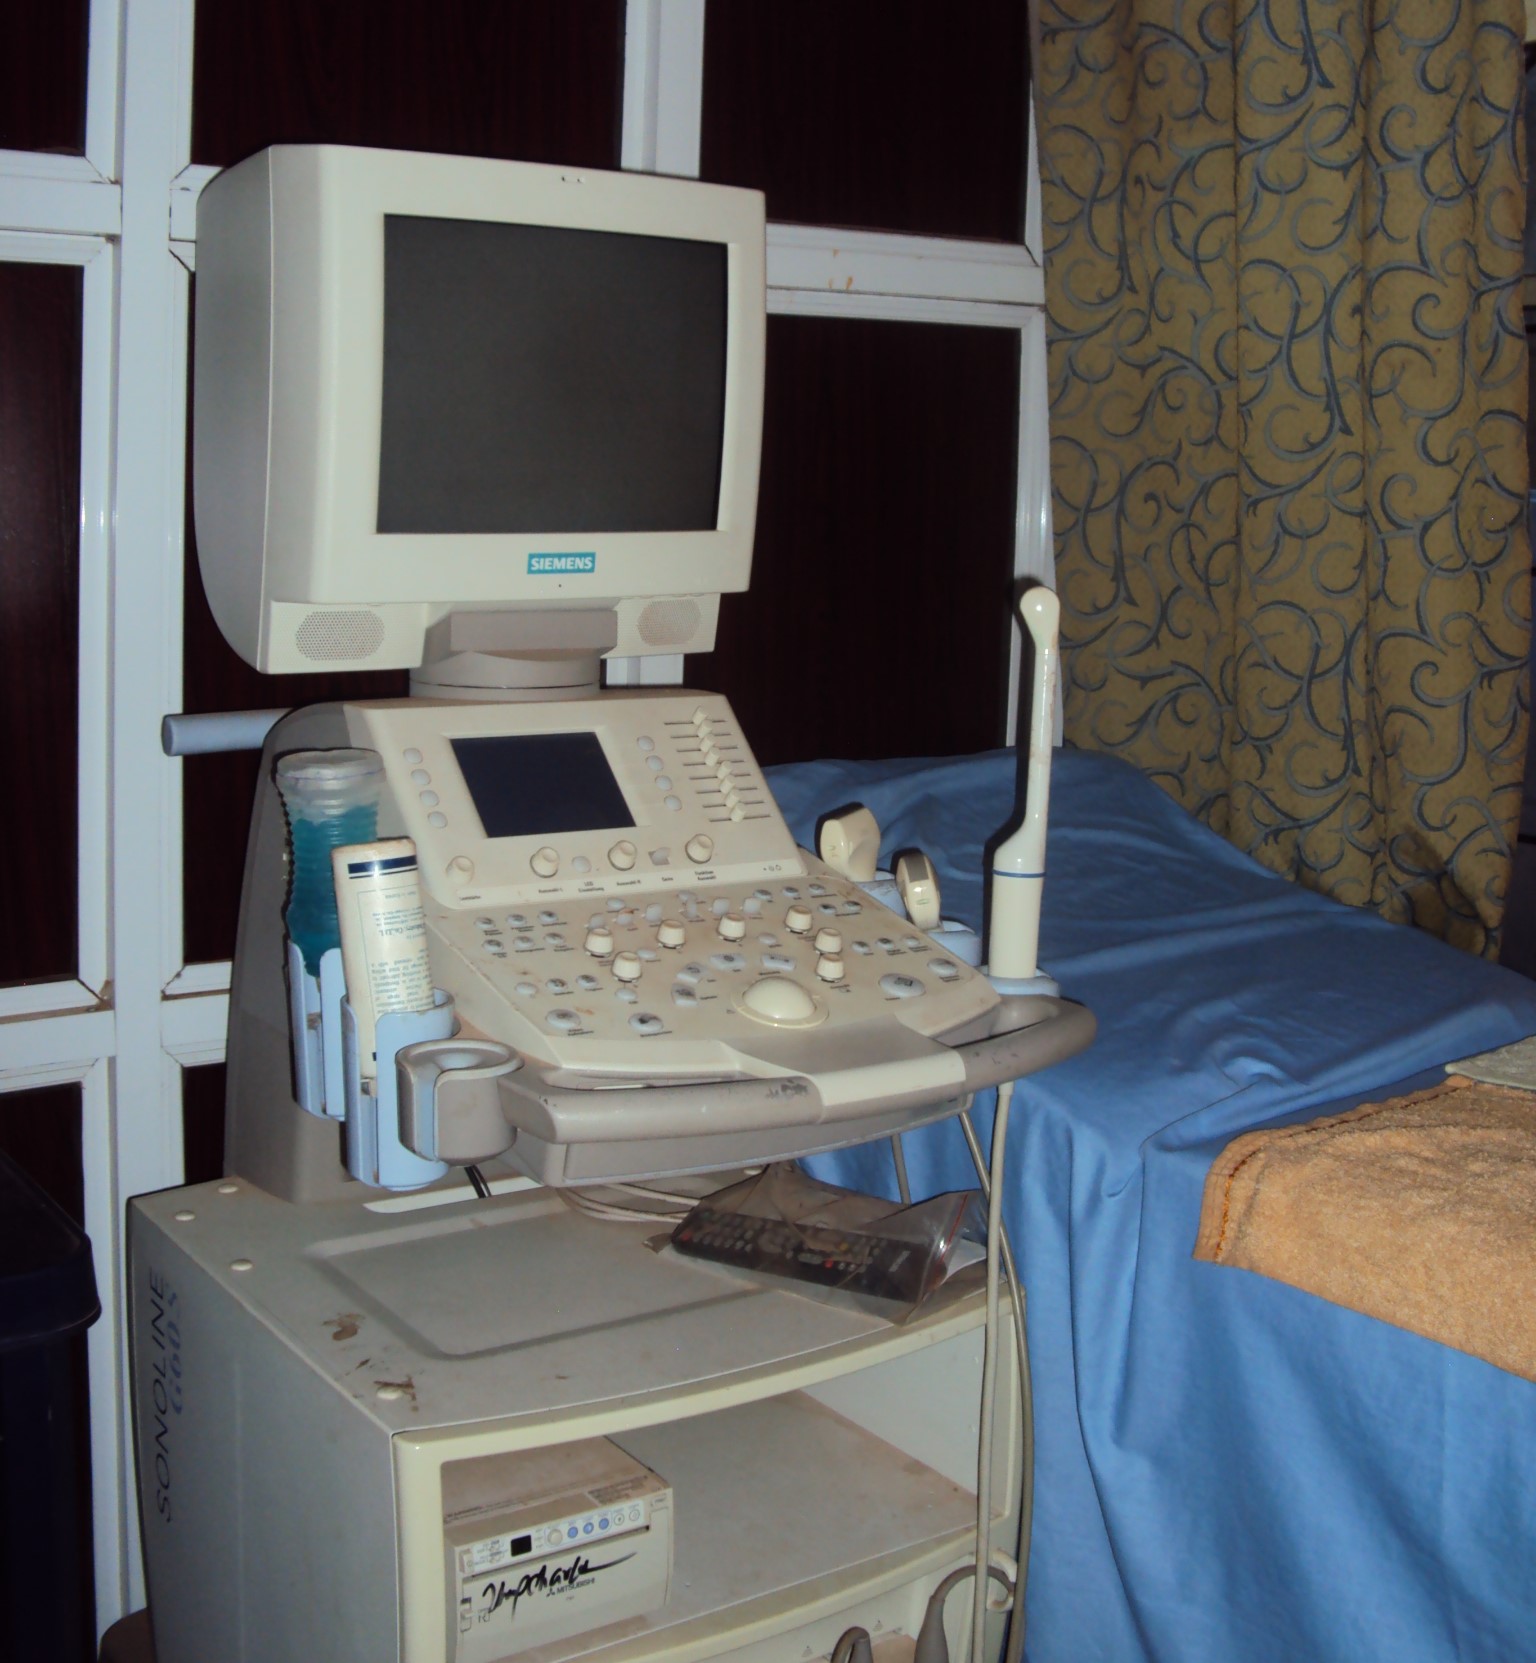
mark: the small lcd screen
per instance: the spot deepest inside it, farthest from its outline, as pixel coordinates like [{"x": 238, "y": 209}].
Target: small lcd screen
[
  {"x": 537, "y": 784},
  {"x": 542, "y": 379}
]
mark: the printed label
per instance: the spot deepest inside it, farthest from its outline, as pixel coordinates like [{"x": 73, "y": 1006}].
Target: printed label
[
  {"x": 539, "y": 564},
  {"x": 165, "y": 1384}
]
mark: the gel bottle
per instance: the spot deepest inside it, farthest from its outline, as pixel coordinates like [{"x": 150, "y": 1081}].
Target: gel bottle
[{"x": 331, "y": 798}]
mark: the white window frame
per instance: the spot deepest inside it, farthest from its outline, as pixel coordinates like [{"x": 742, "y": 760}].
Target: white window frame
[{"x": 125, "y": 213}]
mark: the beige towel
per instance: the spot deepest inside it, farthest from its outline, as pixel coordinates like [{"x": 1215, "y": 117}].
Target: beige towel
[{"x": 1420, "y": 1211}]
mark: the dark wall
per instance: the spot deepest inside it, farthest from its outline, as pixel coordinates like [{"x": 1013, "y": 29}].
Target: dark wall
[{"x": 39, "y": 578}]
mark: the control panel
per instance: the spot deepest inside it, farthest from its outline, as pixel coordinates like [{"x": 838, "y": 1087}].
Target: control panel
[
  {"x": 704, "y": 974},
  {"x": 612, "y": 891},
  {"x": 545, "y": 802}
]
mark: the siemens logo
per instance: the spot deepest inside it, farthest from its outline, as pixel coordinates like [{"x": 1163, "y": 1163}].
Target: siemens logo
[{"x": 561, "y": 563}]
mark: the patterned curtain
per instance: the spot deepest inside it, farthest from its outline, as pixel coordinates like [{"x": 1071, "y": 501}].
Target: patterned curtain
[{"x": 1283, "y": 251}]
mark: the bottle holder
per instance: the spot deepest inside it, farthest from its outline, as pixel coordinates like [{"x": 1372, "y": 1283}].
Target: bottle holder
[
  {"x": 314, "y": 1028},
  {"x": 328, "y": 1079}
]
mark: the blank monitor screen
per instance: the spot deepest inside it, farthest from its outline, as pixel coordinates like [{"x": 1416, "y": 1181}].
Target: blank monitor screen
[
  {"x": 537, "y": 784},
  {"x": 540, "y": 379}
]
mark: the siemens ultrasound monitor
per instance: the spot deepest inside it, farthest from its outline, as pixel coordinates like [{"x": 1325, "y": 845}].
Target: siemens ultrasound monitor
[{"x": 489, "y": 421}]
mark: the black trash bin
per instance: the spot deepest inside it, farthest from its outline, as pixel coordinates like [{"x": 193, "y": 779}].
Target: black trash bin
[{"x": 47, "y": 1296}]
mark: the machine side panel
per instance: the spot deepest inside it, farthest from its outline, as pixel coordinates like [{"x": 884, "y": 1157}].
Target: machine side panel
[
  {"x": 267, "y": 1496},
  {"x": 186, "y": 1446},
  {"x": 268, "y": 1138}
]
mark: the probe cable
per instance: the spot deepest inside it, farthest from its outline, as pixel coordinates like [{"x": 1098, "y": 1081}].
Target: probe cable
[
  {"x": 932, "y": 1647},
  {"x": 992, "y": 1189},
  {"x": 989, "y": 1378}
]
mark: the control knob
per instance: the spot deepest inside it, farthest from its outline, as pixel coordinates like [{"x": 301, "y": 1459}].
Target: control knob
[
  {"x": 830, "y": 967},
  {"x": 732, "y": 926},
  {"x": 671, "y": 932},
  {"x": 798, "y": 919},
  {"x": 829, "y": 941},
  {"x": 621, "y": 857},
  {"x": 599, "y": 942},
  {"x": 627, "y": 966},
  {"x": 545, "y": 862},
  {"x": 699, "y": 848}
]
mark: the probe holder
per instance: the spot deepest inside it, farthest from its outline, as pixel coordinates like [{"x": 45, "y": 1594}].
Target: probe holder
[
  {"x": 957, "y": 938},
  {"x": 450, "y": 1103}
]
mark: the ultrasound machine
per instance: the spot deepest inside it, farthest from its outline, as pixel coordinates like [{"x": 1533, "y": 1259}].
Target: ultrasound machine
[{"x": 394, "y": 1395}]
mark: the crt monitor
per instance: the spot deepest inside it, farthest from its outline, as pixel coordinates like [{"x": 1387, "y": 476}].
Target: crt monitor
[{"x": 447, "y": 406}]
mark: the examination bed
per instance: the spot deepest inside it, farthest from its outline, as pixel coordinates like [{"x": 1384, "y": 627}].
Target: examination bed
[{"x": 1227, "y": 1468}]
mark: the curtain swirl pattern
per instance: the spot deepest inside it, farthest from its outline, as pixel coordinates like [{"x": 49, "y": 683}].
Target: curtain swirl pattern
[{"x": 1283, "y": 256}]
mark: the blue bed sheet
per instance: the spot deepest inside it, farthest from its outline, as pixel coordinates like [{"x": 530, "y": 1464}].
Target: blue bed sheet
[{"x": 1227, "y": 1468}]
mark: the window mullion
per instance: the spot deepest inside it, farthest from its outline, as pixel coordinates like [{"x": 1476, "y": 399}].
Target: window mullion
[{"x": 663, "y": 86}]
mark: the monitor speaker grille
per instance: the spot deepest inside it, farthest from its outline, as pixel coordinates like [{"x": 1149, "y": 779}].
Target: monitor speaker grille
[
  {"x": 329, "y": 636},
  {"x": 668, "y": 623}
]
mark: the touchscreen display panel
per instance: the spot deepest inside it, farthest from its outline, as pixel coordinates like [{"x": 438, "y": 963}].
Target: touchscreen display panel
[{"x": 538, "y": 784}]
